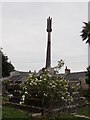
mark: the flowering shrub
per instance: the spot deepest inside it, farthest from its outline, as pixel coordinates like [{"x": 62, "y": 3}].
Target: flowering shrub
[{"x": 48, "y": 87}]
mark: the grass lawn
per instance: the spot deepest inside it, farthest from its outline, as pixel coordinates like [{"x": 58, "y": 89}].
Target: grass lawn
[{"x": 10, "y": 113}]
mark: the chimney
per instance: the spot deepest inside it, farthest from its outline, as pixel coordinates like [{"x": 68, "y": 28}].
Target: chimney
[
  {"x": 30, "y": 71},
  {"x": 67, "y": 71}
]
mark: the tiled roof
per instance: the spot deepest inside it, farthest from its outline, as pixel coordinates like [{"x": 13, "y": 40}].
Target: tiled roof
[
  {"x": 71, "y": 76},
  {"x": 14, "y": 78},
  {"x": 75, "y": 75},
  {"x": 22, "y": 76}
]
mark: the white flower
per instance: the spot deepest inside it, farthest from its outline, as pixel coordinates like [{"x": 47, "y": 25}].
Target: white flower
[
  {"x": 62, "y": 98},
  {"x": 30, "y": 75},
  {"x": 78, "y": 84},
  {"x": 23, "y": 96},
  {"x": 71, "y": 99},
  {"x": 21, "y": 103},
  {"x": 44, "y": 78},
  {"x": 35, "y": 83},
  {"x": 45, "y": 94},
  {"x": 40, "y": 80},
  {"x": 23, "y": 99},
  {"x": 36, "y": 79},
  {"x": 11, "y": 95},
  {"x": 53, "y": 86},
  {"x": 68, "y": 95},
  {"x": 40, "y": 77},
  {"x": 66, "y": 88},
  {"x": 61, "y": 80},
  {"x": 25, "y": 88},
  {"x": 32, "y": 82},
  {"x": 74, "y": 92},
  {"x": 67, "y": 85},
  {"x": 49, "y": 75},
  {"x": 67, "y": 92},
  {"x": 50, "y": 83},
  {"x": 65, "y": 100},
  {"x": 26, "y": 92}
]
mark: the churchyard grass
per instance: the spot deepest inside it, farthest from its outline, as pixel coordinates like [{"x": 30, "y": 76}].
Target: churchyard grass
[
  {"x": 16, "y": 114},
  {"x": 10, "y": 112}
]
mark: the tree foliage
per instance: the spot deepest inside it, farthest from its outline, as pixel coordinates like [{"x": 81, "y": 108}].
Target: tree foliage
[
  {"x": 7, "y": 67},
  {"x": 88, "y": 76},
  {"x": 86, "y": 32}
]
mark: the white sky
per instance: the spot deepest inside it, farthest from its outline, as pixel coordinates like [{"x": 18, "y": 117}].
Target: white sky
[{"x": 24, "y": 37}]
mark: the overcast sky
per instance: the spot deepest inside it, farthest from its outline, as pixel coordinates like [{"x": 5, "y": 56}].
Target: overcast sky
[{"x": 25, "y": 36}]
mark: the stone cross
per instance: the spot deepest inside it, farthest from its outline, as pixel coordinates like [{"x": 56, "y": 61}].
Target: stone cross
[{"x": 48, "y": 55}]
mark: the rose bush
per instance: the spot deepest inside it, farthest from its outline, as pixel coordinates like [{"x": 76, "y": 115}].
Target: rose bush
[{"x": 48, "y": 87}]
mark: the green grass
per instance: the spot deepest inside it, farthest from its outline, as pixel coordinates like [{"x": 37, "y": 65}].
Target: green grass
[{"x": 9, "y": 112}]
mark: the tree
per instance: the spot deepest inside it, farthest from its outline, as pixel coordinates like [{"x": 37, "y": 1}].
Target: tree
[
  {"x": 7, "y": 67},
  {"x": 51, "y": 89},
  {"x": 86, "y": 32},
  {"x": 88, "y": 76},
  {"x": 86, "y": 36}
]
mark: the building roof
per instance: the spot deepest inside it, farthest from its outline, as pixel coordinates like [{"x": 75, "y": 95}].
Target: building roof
[
  {"x": 19, "y": 76},
  {"x": 22, "y": 76},
  {"x": 75, "y": 75},
  {"x": 14, "y": 78}
]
